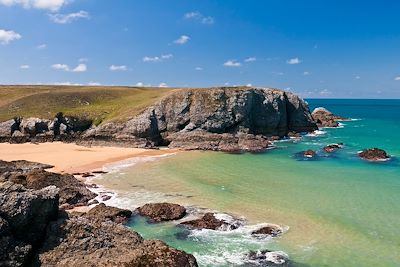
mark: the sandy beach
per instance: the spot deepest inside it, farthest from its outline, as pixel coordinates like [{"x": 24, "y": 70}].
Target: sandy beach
[{"x": 71, "y": 158}]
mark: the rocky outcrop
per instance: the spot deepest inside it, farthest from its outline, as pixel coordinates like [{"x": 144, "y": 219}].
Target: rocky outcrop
[
  {"x": 213, "y": 119},
  {"x": 309, "y": 154},
  {"x": 61, "y": 128},
  {"x": 33, "y": 232},
  {"x": 209, "y": 221},
  {"x": 270, "y": 230},
  {"x": 24, "y": 217},
  {"x": 267, "y": 258},
  {"x": 33, "y": 176},
  {"x": 374, "y": 154},
  {"x": 159, "y": 212},
  {"x": 325, "y": 118},
  {"x": 333, "y": 147},
  {"x": 102, "y": 213}
]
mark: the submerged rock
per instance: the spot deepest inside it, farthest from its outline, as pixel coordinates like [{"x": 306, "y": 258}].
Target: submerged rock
[
  {"x": 333, "y": 147},
  {"x": 268, "y": 258},
  {"x": 270, "y": 230},
  {"x": 209, "y": 221},
  {"x": 159, "y": 212},
  {"x": 325, "y": 118},
  {"x": 374, "y": 154}
]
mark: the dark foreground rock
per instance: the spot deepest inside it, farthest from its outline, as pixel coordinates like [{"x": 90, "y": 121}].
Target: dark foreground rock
[
  {"x": 325, "y": 118},
  {"x": 209, "y": 221},
  {"x": 33, "y": 232},
  {"x": 333, "y": 147},
  {"x": 374, "y": 154},
  {"x": 33, "y": 176},
  {"x": 270, "y": 230},
  {"x": 267, "y": 258},
  {"x": 158, "y": 212}
]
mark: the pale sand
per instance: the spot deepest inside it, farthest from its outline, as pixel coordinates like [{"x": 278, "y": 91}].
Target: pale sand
[{"x": 71, "y": 158}]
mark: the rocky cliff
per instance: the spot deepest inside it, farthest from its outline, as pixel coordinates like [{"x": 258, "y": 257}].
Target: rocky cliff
[{"x": 227, "y": 119}]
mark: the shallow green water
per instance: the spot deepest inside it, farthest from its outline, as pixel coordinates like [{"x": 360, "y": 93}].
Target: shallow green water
[{"x": 340, "y": 210}]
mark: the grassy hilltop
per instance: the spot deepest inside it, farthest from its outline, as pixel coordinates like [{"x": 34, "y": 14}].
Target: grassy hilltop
[{"x": 100, "y": 103}]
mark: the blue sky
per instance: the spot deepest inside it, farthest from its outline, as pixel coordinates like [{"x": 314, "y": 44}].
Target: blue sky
[{"x": 348, "y": 49}]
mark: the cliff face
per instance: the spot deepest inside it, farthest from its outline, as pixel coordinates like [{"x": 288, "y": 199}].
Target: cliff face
[
  {"x": 216, "y": 119},
  {"x": 229, "y": 119}
]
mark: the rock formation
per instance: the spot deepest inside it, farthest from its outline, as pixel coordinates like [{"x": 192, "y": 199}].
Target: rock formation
[
  {"x": 33, "y": 176},
  {"x": 158, "y": 212},
  {"x": 374, "y": 154},
  {"x": 333, "y": 147},
  {"x": 227, "y": 119},
  {"x": 325, "y": 118},
  {"x": 34, "y": 232},
  {"x": 209, "y": 221},
  {"x": 270, "y": 230}
]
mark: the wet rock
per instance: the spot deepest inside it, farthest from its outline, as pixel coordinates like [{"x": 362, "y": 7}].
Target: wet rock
[
  {"x": 158, "y": 212},
  {"x": 325, "y": 118},
  {"x": 374, "y": 154},
  {"x": 309, "y": 154},
  {"x": 105, "y": 197},
  {"x": 103, "y": 213},
  {"x": 268, "y": 258},
  {"x": 85, "y": 175},
  {"x": 209, "y": 221},
  {"x": 333, "y": 147},
  {"x": 270, "y": 230}
]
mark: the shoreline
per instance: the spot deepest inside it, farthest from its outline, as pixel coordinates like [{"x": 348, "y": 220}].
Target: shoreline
[{"x": 72, "y": 158}]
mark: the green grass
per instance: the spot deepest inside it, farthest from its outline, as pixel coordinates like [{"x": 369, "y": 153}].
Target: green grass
[{"x": 99, "y": 103}]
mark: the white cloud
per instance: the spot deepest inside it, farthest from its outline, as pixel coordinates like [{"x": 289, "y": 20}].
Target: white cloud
[
  {"x": 249, "y": 85},
  {"x": 182, "y": 40},
  {"x": 357, "y": 77},
  {"x": 197, "y": 16},
  {"x": 63, "y": 67},
  {"x": 68, "y": 84},
  {"x": 397, "y": 78},
  {"x": 325, "y": 92},
  {"x": 198, "y": 68},
  {"x": 118, "y": 68},
  {"x": 68, "y": 18},
  {"x": 232, "y": 63},
  {"x": 24, "y": 67},
  {"x": 163, "y": 85},
  {"x": 306, "y": 73},
  {"x": 293, "y": 61},
  {"x": 94, "y": 84},
  {"x": 52, "y": 5},
  {"x": 250, "y": 59},
  {"x": 41, "y": 46},
  {"x": 80, "y": 68},
  {"x": 7, "y": 36},
  {"x": 157, "y": 58},
  {"x": 140, "y": 84}
]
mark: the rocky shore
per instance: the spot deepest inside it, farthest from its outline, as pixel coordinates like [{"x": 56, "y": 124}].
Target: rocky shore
[
  {"x": 225, "y": 119},
  {"x": 36, "y": 231}
]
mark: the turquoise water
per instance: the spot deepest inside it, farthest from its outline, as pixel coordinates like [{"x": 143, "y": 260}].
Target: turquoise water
[{"x": 338, "y": 210}]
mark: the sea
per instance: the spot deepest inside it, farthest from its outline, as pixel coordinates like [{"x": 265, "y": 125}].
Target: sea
[{"x": 335, "y": 209}]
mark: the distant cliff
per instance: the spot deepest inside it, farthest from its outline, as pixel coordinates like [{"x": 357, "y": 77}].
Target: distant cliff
[
  {"x": 213, "y": 119},
  {"x": 229, "y": 119}
]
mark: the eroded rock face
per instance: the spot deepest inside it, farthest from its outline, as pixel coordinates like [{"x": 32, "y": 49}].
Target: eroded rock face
[
  {"x": 213, "y": 119},
  {"x": 325, "y": 118},
  {"x": 158, "y": 212},
  {"x": 209, "y": 221},
  {"x": 374, "y": 154},
  {"x": 24, "y": 216}
]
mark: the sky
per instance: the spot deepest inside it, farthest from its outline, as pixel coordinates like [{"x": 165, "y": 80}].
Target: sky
[{"x": 318, "y": 49}]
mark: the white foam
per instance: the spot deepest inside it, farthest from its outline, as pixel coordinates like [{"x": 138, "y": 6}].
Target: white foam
[{"x": 316, "y": 133}]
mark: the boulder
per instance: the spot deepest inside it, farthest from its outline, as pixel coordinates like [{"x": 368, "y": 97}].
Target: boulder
[
  {"x": 325, "y": 118},
  {"x": 102, "y": 212},
  {"x": 159, "y": 212},
  {"x": 333, "y": 147},
  {"x": 374, "y": 154},
  {"x": 268, "y": 258},
  {"x": 209, "y": 221},
  {"x": 270, "y": 230}
]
